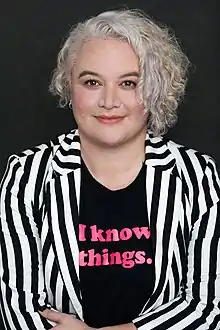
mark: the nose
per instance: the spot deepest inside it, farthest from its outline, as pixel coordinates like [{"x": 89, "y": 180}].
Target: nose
[{"x": 109, "y": 98}]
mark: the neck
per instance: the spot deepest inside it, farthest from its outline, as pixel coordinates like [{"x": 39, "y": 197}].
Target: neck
[{"x": 114, "y": 167}]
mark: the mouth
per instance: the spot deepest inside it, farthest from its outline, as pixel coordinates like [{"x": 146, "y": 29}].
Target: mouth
[{"x": 110, "y": 119}]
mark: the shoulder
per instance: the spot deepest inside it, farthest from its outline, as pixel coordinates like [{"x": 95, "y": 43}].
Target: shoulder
[
  {"x": 28, "y": 171},
  {"x": 188, "y": 155},
  {"x": 39, "y": 158},
  {"x": 193, "y": 163},
  {"x": 199, "y": 175}
]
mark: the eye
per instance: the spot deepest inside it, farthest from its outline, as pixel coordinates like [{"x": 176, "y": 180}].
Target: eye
[
  {"x": 91, "y": 83},
  {"x": 129, "y": 84}
]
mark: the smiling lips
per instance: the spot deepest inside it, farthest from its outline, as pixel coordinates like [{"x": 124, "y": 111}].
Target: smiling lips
[{"x": 110, "y": 119}]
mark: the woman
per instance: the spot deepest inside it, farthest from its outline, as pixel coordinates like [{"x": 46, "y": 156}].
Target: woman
[{"x": 112, "y": 225}]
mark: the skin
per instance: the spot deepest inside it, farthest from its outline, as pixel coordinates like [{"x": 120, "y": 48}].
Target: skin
[
  {"x": 113, "y": 151},
  {"x": 107, "y": 92},
  {"x": 104, "y": 83},
  {"x": 67, "y": 322}
]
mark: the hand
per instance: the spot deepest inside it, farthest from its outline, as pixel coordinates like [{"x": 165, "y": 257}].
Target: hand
[{"x": 64, "y": 321}]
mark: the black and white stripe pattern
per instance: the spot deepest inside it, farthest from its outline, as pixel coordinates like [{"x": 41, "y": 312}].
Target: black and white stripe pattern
[{"x": 39, "y": 257}]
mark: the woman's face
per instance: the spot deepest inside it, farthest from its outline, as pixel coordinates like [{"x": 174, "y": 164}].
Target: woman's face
[{"x": 104, "y": 93}]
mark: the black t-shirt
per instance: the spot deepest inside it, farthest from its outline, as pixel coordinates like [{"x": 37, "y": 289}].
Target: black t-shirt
[{"x": 116, "y": 266}]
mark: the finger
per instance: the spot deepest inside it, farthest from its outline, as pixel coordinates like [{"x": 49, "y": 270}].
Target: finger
[
  {"x": 44, "y": 312},
  {"x": 52, "y": 315},
  {"x": 57, "y": 327}
]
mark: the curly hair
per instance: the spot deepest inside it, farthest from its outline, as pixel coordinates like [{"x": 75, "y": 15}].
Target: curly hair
[{"x": 163, "y": 65}]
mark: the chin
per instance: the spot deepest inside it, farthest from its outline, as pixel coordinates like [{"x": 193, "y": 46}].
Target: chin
[
  {"x": 104, "y": 140},
  {"x": 111, "y": 143}
]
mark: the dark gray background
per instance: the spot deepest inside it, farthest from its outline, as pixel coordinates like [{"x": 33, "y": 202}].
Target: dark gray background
[{"x": 31, "y": 33}]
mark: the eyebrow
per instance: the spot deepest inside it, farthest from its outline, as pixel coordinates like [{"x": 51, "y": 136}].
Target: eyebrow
[{"x": 92, "y": 73}]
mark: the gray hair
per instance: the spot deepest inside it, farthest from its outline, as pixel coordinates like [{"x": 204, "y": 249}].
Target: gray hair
[{"x": 163, "y": 65}]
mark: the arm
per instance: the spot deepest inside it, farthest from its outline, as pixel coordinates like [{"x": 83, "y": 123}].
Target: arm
[
  {"x": 22, "y": 291},
  {"x": 198, "y": 305}
]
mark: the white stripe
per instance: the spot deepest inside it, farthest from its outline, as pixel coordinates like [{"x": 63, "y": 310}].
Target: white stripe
[
  {"x": 48, "y": 267},
  {"x": 72, "y": 239},
  {"x": 150, "y": 172},
  {"x": 61, "y": 252},
  {"x": 162, "y": 205},
  {"x": 187, "y": 321},
  {"x": 59, "y": 292},
  {"x": 77, "y": 180},
  {"x": 171, "y": 286},
  {"x": 156, "y": 322},
  {"x": 65, "y": 159}
]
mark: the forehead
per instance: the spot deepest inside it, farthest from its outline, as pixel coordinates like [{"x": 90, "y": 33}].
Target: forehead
[{"x": 105, "y": 56}]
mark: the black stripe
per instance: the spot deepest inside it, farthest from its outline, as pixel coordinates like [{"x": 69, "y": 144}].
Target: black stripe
[
  {"x": 154, "y": 206},
  {"x": 167, "y": 229},
  {"x": 152, "y": 155},
  {"x": 63, "y": 232},
  {"x": 175, "y": 276},
  {"x": 153, "y": 223},
  {"x": 183, "y": 256},
  {"x": 197, "y": 268},
  {"x": 8, "y": 167},
  {"x": 154, "y": 144},
  {"x": 215, "y": 183},
  {"x": 166, "y": 294},
  {"x": 212, "y": 269},
  {"x": 5, "y": 276},
  {"x": 186, "y": 229},
  {"x": 66, "y": 165},
  {"x": 65, "y": 239},
  {"x": 70, "y": 152},
  {"x": 167, "y": 166},
  {"x": 3, "y": 318},
  {"x": 16, "y": 245},
  {"x": 65, "y": 301},
  {"x": 193, "y": 178},
  {"x": 215, "y": 322},
  {"x": 177, "y": 318},
  {"x": 13, "y": 315},
  {"x": 5, "y": 279},
  {"x": 73, "y": 203},
  {"x": 53, "y": 281},
  {"x": 50, "y": 234},
  {"x": 39, "y": 185},
  {"x": 46, "y": 249},
  {"x": 69, "y": 139},
  {"x": 32, "y": 246},
  {"x": 4, "y": 256},
  {"x": 206, "y": 189},
  {"x": 155, "y": 315}
]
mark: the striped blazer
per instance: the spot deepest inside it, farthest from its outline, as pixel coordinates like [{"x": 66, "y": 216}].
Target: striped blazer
[{"x": 39, "y": 256}]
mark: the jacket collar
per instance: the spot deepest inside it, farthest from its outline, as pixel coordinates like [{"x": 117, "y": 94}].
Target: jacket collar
[{"x": 67, "y": 155}]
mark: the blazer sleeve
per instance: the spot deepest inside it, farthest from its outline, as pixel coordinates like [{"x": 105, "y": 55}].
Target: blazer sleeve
[
  {"x": 198, "y": 305},
  {"x": 22, "y": 289}
]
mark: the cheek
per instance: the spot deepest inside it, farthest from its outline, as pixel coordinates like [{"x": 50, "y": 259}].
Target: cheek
[
  {"x": 130, "y": 101},
  {"x": 84, "y": 101},
  {"x": 136, "y": 110}
]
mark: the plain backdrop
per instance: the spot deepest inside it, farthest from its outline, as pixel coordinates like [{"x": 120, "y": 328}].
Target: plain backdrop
[{"x": 31, "y": 33}]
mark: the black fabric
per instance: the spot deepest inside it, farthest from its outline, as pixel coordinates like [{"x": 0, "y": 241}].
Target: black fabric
[{"x": 114, "y": 293}]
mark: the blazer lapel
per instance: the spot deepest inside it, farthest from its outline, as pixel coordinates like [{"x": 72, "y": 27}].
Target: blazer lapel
[
  {"x": 163, "y": 194},
  {"x": 63, "y": 215}
]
